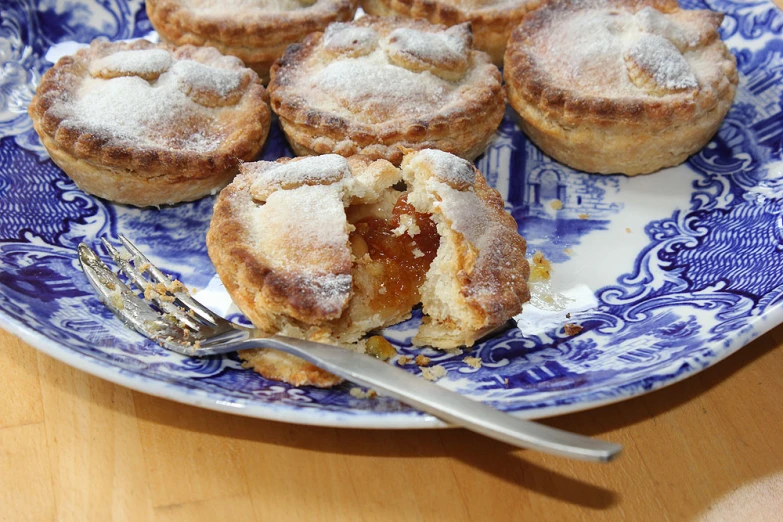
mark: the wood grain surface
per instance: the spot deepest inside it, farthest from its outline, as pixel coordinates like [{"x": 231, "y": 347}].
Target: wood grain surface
[{"x": 76, "y": 448}]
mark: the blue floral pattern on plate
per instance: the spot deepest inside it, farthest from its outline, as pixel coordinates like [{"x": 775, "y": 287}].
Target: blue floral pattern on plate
[{"x": 686, "y": 265}]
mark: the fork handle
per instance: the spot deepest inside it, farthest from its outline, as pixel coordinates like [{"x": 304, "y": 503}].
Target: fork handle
[{"x": 440, "y": 402}]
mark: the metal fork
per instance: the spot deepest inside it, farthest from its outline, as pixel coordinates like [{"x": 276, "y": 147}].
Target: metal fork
[{"x": 169, "y": 316}]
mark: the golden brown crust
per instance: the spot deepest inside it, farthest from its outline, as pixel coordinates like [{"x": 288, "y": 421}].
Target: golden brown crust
[
  {"x": 462, "y": 123},
  {"x": 628, "y": 131},
  {"x": 492, "y": 21},
  {"x": 125, "y": 170},
  {"x": 479, "y": 278},
  {"x": 497, "y": 294},
  {"x": 280, "y": 366},
  {"x": 249, "y": 274},
  {"x": 256, "y": 36}
]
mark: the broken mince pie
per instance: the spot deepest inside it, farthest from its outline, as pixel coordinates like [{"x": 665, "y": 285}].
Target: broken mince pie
[{"x": 328, "y": 248}]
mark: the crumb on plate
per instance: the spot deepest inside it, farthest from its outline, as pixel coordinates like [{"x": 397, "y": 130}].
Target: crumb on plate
[
  {"x": 422, "y": 360},
  {"x": 572, "y": 329},
  {"x": 473, "y": 362},
  {"x": 434, "y": 373}
]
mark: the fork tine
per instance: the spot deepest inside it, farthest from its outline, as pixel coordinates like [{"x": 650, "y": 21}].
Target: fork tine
[
  {"x": 125, "y": 304},
  {"x": 177, "y": 290},
  {"x": 145, "y": 287}
]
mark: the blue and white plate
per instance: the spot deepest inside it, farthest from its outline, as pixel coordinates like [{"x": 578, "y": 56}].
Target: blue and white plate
[{"x": 686, "y": 264}]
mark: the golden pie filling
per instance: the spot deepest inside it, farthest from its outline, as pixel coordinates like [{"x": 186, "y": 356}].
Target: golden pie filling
[
  {"x": 392, "y": 266},
  {"x": 332, "y": 249}
]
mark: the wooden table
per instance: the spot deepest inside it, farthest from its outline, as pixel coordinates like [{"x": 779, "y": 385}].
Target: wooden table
[{"x": 75, "y": 447}]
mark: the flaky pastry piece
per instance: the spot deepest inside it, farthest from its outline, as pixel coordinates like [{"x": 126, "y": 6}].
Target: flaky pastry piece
[
  {"x": 256, "y": 31},
  {"x": 146, "y": 124},
  {"x": 619, "y": 86},
  {"x": 369, "y": 86},
  {"x": 492, "y": 20},
  {"x": 329, "y": 249}
]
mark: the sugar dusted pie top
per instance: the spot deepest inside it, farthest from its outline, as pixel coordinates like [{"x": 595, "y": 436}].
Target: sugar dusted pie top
[
  {"x": 447, "y": 168},
  {"x": 610, "y": 50},
  {"x": 145, "y": 63},
  {"x": 295, "y": 220},
  {"x": 155, "y": 98},
  {"x": 315, "y": 170},
  {"x": 346, "y": 39},
  {"x": 377, "y": 72}
]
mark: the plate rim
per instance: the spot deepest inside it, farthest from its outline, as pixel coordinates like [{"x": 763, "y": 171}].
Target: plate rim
[{"x": 407, "y": 420}]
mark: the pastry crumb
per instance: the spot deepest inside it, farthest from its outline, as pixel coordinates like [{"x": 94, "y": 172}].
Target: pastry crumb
[
  {"x": 556, "y": 204},
  {"x": 422, "y": 360},
  {"x": 361, "y": 394},
  {"x": 453, "y": 351},
  {"x": 404, "y": 359},
  {"x": 473, "y": 362},
  {"x": 408, "y": 225},
  {"x": 584, "y": 216},
  {"x": 627, "y": 230},
  {"x": 572, "y": 329},
  {"x": 434, "y": 373}
]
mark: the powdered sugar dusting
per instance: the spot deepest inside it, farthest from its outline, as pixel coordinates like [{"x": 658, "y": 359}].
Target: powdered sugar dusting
[
  {"x": 141, "y": 62},
  {"x": 341, "y": 37},
  {"x": 147, "y": 111},
  {"x": 430, "y": 47},
  {"x": 130, "y": 108},
  {"x": 379, "y": 90},
  {"x": 464, "y": 210},
  {"x": 313, "y": 214},
  {"x": 661, "y": 59},
  {"x": 587, "y": 50},
  {"x": 205, "y": 78},
  {"x": 653, "y": 21},
  {"x": 313, "y": 170},
  {"x": 306, "y": 228},
  {"x": 452, "y": 169}
]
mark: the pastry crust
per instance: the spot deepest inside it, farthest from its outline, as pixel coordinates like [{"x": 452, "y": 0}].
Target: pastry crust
[
  {"x": 149, "y": 125},
  {"x": 374, "y": 85},
  {"x": 492, "y": 20},
  {"x": 255, "y": 32},
  {"x": 478, "y": 280},
  {"x": 307, "y": 278},
  {"x": 637, "y": 86}
]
